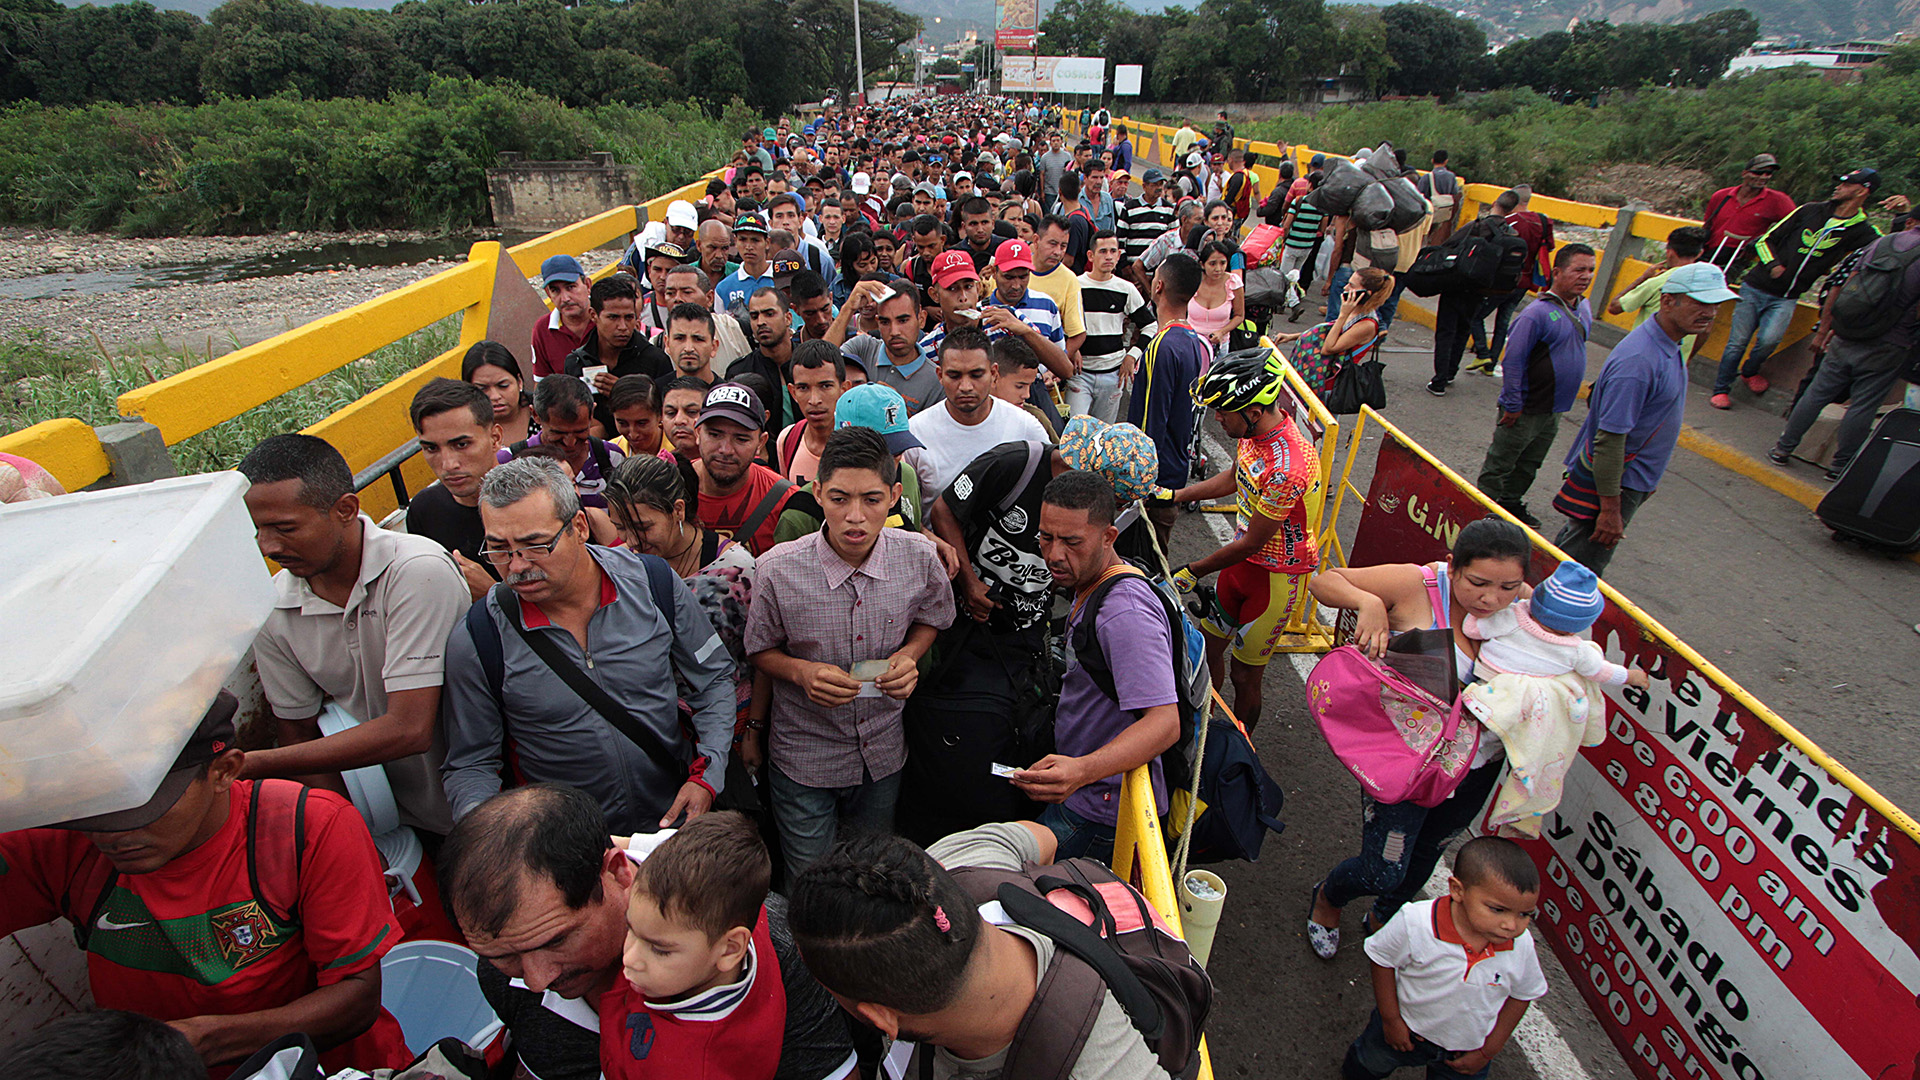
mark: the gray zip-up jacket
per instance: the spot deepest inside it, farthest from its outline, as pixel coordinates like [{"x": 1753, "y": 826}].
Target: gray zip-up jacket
[{"x": 559, "y": 738}]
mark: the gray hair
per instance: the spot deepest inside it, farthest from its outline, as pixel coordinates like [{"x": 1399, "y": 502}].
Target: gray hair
[
  {"x": 700, "y": 277},
  {"x": 1190, "y": 210},
  {"x": 507, "y": 484}
]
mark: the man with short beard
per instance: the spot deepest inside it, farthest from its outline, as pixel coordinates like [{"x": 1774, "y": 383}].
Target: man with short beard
[
  {"x": 771, "y": 319},
  {"x": 739, "y": 497},
  {"x": 596, "y": 606},
  {"x": 690, "y": 285},
  {"x": 690, "y": 341}
]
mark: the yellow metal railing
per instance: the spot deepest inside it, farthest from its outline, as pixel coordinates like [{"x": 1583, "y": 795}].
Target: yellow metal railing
[
  {"x": 1154, "y": 142},
  {"x": 1140, "y": 856},
  {"x": 209, "y": 394}
]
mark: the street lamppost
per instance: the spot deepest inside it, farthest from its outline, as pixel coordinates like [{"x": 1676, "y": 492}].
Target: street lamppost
[{"x": 859, "y": 62}]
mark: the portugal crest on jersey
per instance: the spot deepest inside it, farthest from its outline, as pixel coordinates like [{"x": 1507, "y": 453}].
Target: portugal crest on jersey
[{"x": 244, "y": 933}]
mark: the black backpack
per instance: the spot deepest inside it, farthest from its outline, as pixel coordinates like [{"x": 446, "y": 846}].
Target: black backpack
[
  {"x": 1127, "y": 949},
  {"x": 1490, "y": 257},
  {"x": 1867, "y": 307}
]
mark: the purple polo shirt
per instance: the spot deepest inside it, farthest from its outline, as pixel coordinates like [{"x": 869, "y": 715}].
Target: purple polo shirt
[
  {"x": 1133, "y": 634},
  {"x": 1641, "y": 392}
]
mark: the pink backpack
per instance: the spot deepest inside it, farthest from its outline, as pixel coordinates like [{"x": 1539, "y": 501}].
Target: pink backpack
[{"x": 1402, "y": 743}]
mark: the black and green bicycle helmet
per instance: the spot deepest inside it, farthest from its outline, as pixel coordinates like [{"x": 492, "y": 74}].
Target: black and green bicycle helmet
[{"x": 1241, "y": 380}]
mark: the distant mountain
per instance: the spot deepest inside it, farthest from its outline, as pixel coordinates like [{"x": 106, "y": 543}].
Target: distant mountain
[{"x": 1817, "y": 22}]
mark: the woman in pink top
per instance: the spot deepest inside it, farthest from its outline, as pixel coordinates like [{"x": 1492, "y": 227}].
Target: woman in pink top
[{"x": 1221, "y": 304}]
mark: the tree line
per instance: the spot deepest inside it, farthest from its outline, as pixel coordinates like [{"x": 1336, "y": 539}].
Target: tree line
[
  {"x": 1279, "y": 50},
  {"x": 770, "y": 54}
]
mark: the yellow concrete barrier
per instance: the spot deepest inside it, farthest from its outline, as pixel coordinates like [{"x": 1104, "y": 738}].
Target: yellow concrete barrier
[
  {"x": 186, "y": 404},
  {"x": 66, "y": 447}
]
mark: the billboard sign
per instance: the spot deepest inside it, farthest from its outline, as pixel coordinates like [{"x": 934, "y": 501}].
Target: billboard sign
[
  {"x": 1126, "y": 80},
  {"x": 1729, "y": 900},
  {"x": 1054, "y": 74},
  {"x": 1019, "y": 24}
]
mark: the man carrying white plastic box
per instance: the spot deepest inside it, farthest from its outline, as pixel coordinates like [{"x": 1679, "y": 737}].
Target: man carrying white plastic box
[{"x": 236, "y": 911}]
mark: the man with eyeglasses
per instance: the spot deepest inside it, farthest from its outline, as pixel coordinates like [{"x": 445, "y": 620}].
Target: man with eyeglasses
[{"x": 592, "y": 608}]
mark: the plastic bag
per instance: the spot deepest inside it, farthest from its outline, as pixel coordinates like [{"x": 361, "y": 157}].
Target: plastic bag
[
  {"x": 1343, "y": 184},
  {"x": 1381, "y": 163},
  {"x": 1409, "y": 206},
  {"x": 1373, "y": 208}
]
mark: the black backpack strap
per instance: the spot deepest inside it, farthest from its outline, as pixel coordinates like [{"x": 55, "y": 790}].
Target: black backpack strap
[
  {"x": 610, "y": 710},
  {"x": 284, "y": 815},
  {"x": 660, "y": 578},
  {"x": 1036, "y": 453},
  {"x": 486, "y": 646},
  {"x": 598, "y": 447},
  {"x": 752, "y": 522},
  {"x": 1066, "y": 1006},
  {"x": 1086, "y": 944}
]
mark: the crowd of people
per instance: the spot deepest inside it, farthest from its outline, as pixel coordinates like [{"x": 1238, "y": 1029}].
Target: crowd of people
[{"x": 732, "y": 626}]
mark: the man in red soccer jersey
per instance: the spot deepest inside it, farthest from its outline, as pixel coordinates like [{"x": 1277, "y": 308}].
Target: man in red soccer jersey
[{"x": 237, "y": 911}]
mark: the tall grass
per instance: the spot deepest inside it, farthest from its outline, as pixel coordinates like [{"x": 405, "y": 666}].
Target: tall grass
[{"x": 44, "y": 382}]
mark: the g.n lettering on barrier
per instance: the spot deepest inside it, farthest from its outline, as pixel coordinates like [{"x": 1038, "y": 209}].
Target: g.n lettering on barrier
[{"x": 1729, "y": 901}]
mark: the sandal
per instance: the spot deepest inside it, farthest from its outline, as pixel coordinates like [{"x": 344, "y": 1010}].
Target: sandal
[{"x": 1324, "y": 940}]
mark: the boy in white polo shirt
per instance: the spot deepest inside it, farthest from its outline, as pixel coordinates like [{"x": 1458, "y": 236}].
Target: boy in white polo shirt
[{"x": 1453, "y": 976}]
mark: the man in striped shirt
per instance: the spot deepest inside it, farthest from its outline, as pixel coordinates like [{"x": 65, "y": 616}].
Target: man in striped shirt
[
  {"x": 1111, "y": 307},
  {"x": 1302, "y": 228},
  {"x": 1141, "y": 221}
]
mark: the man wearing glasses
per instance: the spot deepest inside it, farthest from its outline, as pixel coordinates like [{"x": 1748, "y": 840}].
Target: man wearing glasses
[{"x": 591, "y": 608}]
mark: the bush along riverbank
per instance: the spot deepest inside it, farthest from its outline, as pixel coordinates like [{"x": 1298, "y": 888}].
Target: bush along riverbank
[{"x": 414, "y": 160}]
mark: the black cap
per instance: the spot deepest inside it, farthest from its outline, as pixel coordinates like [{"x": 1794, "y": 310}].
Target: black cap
[
  {"x": 1868, "y": 177},
  {"x": 212, "y": 738}
]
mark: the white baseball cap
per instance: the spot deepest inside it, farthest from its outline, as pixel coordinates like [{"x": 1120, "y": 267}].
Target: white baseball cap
[
  {"x": 682, "y": 215},
  {"x": 862, "y": 183}
]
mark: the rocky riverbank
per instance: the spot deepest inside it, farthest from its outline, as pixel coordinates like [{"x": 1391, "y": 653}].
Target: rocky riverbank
[{"x": 204, "y": 292}]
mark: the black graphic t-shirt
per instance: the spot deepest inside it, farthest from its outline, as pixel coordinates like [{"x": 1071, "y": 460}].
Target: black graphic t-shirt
[{"x": 1003, "y": 533}]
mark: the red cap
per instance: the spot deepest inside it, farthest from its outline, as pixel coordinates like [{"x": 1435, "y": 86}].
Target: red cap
[
  {"x": 953, "y": 267},
  {"x": 1013, "y": 255}
]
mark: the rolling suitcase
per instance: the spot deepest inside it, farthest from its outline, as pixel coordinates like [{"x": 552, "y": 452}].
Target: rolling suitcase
[{"x": 1877, "y": 498}]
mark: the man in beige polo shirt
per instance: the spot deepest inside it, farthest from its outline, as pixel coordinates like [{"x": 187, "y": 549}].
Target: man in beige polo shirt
[{"x": 361, "y": 619}]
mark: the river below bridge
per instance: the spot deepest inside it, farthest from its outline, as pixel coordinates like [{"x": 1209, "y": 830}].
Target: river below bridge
[{"x": 204, "y": 293}]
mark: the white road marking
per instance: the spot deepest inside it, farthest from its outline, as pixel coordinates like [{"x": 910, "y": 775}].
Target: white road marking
[{"x": 1539, "y": 1039}]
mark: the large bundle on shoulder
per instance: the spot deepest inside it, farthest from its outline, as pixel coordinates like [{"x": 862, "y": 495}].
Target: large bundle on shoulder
[{"x": 1343, "y": 184}]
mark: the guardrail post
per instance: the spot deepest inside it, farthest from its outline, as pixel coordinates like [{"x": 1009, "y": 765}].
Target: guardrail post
[
  {"x": 1617, "y": 241},
  {"x": 136, "y": 451}
]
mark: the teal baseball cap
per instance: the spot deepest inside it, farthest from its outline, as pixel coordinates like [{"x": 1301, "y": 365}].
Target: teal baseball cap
[
  {"x": 880, "y": 407},
  {"x": 1702, "y": 281}
]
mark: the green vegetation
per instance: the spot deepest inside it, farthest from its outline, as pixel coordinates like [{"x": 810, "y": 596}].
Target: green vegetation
[
  {"x": 1815, "y": 128},
  {"x": 40, "y": 381},
  {"x": 241, "y": 166},
  {"x": 769, "y": 53},
  {"x": 1279, "y": 50}
]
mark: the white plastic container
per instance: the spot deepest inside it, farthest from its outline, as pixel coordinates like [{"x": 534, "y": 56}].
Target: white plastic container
[
  {"x": 123, "y": 611},
  {"x": 433, "y": 989}
]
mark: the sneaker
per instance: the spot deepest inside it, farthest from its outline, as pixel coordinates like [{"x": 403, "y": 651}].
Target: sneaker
[
  {"x": 1721, "y": 401},
  {"x": 1482, "y": 365},
  {"x": 1520, "y": 511},
  {"x": 1779, "y": 456},
  {"x": 1757, "y": 383},
  {"x": 1437, "y": 388}
]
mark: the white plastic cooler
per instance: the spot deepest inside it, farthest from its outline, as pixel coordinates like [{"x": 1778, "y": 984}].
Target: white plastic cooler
[{"x": 121, "y": 613}]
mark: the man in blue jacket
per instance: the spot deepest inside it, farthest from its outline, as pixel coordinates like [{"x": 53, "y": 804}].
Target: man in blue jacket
[{"x": 1544, "y": 362}]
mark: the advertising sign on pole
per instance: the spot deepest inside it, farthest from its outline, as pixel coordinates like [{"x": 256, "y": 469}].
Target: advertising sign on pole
[
  {"x": 1019, "y": 24},
  {"x": 1728, "y": 899},
  {"x": 1126, "y": 80}
]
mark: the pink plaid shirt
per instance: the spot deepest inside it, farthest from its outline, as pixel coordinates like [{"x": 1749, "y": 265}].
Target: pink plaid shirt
[{"x": 808, "y": 602}]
